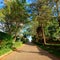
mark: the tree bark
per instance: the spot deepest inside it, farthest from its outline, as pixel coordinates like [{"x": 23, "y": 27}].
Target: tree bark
[
  {"x": 36, "y": 37},
  {"x": 17, "y": 27},
  {"x": 43, "y": 34}
]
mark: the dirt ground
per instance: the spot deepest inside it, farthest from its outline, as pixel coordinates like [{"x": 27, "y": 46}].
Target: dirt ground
[{"x": 29, "y": 52}]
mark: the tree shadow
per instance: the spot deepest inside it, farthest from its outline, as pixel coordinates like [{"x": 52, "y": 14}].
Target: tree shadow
[
  {"x": 40, "y": 52},
  {"x": 30, "y": 43},
  {"x": 45, "y": 53},
  {"x": 21, "y": 51}
]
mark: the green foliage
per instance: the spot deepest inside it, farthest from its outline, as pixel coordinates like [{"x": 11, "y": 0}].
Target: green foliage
[
  {"x": 18, "y": 44},
  {"x": 24, "y": 40},
  {"x": 52, "y": 30},
  {"x": 14, "y": 14},
  {"x": 7, "y": 49},
  {"x": 5, "y": 40},
  {"x": 4, "y": 50},
  {"x": 51, "y": 48},
  {"x": 5, "y": 36},
  {"x": 6, "y": 43}
]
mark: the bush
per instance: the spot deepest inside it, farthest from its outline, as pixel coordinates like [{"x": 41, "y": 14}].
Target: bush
[
  {"x": 5, "y": 40},
  {"x": 51, "y": 48},
  {"x": 5, "y": 36},
  {"x": 6, "y": 43},
  {"x": 24, "y": 40}
]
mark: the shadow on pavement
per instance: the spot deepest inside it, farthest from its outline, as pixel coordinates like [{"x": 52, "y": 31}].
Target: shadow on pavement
[
  {"x": 41, "y": 52},
  {"x": 45, "y": 53}
]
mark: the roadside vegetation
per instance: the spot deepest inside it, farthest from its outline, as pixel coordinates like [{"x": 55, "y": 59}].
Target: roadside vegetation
[
  {"x": 54, "y": 49},
  {"x": 6, "y": 43},
  {"x": 40, "y": 20}
]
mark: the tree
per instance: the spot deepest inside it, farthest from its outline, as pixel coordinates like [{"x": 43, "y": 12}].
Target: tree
[
  {"x": 43, "y": 15},
  {"x": 57, "y": 9},
  {"x": 14, "y": 14}
]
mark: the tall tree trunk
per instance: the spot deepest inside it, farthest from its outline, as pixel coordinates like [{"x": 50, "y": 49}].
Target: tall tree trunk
[
  {"x": 43, "y": 34},
  {"x": 15, "y": 37},
  {"x": 15, "y": 32},
  {"x": 36, "y": 37},
  {"x": 17, "y": 27}
]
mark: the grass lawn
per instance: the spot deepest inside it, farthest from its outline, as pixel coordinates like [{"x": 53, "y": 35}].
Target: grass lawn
[
  {"x": 51, "y": 48},
  {"x": 18, "y": 44},
  {"x": 5, "y": 50}
]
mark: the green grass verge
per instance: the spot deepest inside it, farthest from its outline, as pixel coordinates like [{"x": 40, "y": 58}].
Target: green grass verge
[
  {"x": 6, "y": 50},
  {"x": 18, "y": 44},
  {"x": 51, "y": 48}
]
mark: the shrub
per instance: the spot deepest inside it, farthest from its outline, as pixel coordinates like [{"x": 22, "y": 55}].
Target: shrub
[
  {"x": 24, "y": 40},
  {"x": 5, "y": 40}
]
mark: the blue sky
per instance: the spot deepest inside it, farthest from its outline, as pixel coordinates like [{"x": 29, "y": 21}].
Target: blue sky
[
  {"x": 29, "y": 1},
  {"x": 1, "y": 4}
]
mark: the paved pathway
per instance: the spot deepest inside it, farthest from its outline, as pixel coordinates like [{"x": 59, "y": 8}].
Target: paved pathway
[{"x": 29, "y": 52}]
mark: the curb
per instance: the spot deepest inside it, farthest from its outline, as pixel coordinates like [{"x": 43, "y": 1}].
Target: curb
[{"x": 6, "y": 54}]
